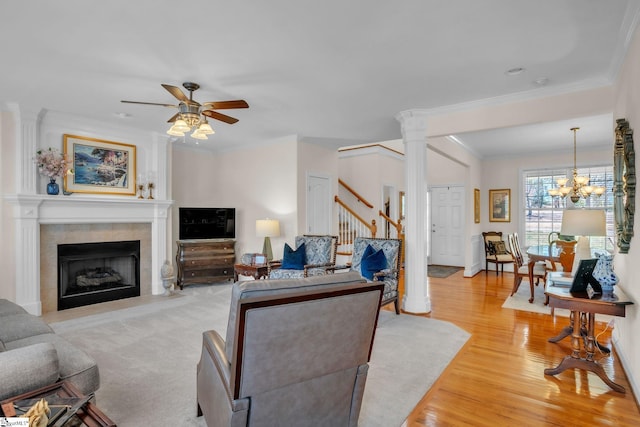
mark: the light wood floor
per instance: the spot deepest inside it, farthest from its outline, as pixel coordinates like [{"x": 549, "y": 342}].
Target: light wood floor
[{"x": 497, "y": 378}]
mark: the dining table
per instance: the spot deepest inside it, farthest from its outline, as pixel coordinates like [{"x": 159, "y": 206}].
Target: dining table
[{"x": 541, "y": 253}]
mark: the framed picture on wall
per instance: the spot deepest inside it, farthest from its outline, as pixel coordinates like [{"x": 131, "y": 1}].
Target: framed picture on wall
[
  {"x": 476, "y": 205},
  {"x": 500, "y": 205},
  {"x": 99, "y": 166}
]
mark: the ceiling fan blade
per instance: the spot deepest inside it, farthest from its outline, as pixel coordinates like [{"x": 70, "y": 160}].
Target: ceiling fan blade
[
  {"x": 175, "y": 91},
  {"x": 173, "y": 118},
  {"x": 219, "y": 116},
  {"x": 227, "y": 105},
  {"x": 150, "y": 103}
]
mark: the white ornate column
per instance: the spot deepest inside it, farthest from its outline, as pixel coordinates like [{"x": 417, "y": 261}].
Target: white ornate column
[
  {"x": 416, "y": 286},
  {"x": 27, "y": 227},
  {"x": 27, "y": 124}
]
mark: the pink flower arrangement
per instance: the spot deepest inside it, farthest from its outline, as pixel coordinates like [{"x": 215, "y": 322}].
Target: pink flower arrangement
[{"x": 51, "y": 162}]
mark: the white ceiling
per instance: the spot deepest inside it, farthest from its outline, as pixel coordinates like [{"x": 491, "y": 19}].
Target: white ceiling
[{"x": 334, "y": 70}]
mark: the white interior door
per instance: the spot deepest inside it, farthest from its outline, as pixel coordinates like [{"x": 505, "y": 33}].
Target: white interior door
[
  {"x": 447, "y": 225},
  {"x": 318, "y": 204}
]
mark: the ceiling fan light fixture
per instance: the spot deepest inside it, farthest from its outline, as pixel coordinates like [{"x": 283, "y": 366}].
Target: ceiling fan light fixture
[
  {"x": 206, "y": 128},
  {"x": 181, "y": 126},
  {"x": 198, "y": 135},
  {"x": 174, "y": 132}
]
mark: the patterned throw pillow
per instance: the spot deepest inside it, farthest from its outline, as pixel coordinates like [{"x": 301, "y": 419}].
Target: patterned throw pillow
[
  {"x": 293, "y": 260},
  {"x": 499, "y": 248}
]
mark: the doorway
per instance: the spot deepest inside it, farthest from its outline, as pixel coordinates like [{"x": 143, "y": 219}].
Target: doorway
[
  {"x": 447, "y": 225},
  {"x": 319, "y": 204}
]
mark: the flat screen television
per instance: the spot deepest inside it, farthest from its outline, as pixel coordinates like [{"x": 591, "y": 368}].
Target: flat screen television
[{"x": 207, "y": 223}]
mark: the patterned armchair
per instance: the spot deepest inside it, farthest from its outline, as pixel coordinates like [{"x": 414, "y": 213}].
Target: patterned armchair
[
  {"x": 389, "y": 275},
  {"x": 320, "y": 256}
]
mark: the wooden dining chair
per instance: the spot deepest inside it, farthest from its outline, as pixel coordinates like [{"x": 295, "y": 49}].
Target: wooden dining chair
[
  {"x": 566, "y": 253},
  {"x": 495, "y": 251},
  {"x": 521, "y": 269}
]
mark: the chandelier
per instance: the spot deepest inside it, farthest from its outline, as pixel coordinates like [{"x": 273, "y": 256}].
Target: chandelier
[
  {"x": 189, "y": 117},
  {"x": 578, "y": 187}
]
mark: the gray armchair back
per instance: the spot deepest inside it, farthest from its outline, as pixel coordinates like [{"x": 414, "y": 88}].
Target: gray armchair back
[
  {"x": 389, "y": 276},
  {"x": 320, "y": 255},
  {"x": 296, "y": 353}
]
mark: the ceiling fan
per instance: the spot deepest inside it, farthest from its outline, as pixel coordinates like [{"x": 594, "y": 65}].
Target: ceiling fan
[{"x": 193, "y": 114}]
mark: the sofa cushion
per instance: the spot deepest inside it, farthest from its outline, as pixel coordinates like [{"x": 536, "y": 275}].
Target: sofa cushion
[
  {"x": 28, "y": 368},
  {"x": 258, "y": 288},
  {"x": 293, "y": 260},
  {"x": 21, "y": 325},
  {"x": 8, "y": 308},
  {"x": 74, "y": 364}
]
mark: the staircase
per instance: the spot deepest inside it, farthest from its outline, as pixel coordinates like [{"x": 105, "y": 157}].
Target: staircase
[{"x": 352, "y": 225}]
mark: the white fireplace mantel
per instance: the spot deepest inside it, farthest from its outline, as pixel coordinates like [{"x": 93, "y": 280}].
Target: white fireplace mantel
[{"x": 32, "y": 210}]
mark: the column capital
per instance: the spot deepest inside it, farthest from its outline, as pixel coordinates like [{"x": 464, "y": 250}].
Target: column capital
[{"x": 413, "y": 124}]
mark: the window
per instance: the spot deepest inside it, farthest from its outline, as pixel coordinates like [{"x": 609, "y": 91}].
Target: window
[{"x": 543, "y": 213}]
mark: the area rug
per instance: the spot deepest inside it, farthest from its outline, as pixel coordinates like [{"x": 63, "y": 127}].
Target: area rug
[
  {"x": 520, "y": 301},
  {"x": 441, "y": 271},
  {"x": 147, "y": 357}
]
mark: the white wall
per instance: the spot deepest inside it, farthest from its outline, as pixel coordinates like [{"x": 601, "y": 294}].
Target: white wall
[
  {"x": 627, "y": 266},
  {"x": 501, "y": 173},
  {"x": 367, "y": 170},
  {"x": 316, "y": 159}
]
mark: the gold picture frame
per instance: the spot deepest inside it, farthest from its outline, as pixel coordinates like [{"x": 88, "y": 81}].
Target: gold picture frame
[
  {"x": 99, "y": 166},
  {"x": 500, "y": 205},
  {"x": 476, "y": 205}
]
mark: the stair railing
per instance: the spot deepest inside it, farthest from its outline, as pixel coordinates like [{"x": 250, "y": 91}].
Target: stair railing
[
  {"x": 350, "y": 226},
  {"x": 398, "y": 234},
  {"x": 358, "y": 197}
]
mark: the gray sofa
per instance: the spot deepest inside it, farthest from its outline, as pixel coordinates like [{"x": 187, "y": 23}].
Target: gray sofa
[{"x": 32, "y": 355}]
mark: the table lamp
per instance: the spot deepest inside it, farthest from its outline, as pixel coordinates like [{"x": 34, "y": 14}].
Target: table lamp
[
  {"x": 583, "y": 223},
  {"x": 267, "y": 228}
]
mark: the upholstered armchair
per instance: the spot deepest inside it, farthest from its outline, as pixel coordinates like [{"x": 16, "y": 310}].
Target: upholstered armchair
[
  {"x": 387, "y": 272},
  {"x": 318, "y": 256},
  {"x": 495, "y": 251},
  {"x": 296, "y": 353}
]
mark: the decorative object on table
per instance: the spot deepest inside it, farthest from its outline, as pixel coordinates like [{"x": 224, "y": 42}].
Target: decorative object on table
[
  {"x": 38, "y": 414},
  {"x": 500, "y": 205},
  {"x": 604, "y": 274},
  {"x": 578, "y": 188},
  {"x": 624, "y": 184},
  {"x": 52, "y": 164},
  {"x": 583, "y": 223},
  {"x": 100, "y": 167},
  {"x": 192, "y": 114},
  {"x": 166, "y": 273},
  {"x": 267, "y": 228}
]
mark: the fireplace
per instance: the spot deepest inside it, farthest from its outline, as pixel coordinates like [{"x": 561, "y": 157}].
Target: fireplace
[{"x": 90, "y": 273}]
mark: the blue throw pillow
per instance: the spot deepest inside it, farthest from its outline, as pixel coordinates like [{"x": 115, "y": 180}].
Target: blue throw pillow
[
  {"x": 293, "y": 260},
  {"x": 372, "y": 262}
]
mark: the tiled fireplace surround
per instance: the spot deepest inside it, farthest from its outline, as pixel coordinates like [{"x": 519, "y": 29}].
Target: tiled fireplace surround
[{"x": 42, "y": 222}]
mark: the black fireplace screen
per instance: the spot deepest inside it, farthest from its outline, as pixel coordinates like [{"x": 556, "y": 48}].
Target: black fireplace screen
[{"x": 90, "y": 273}]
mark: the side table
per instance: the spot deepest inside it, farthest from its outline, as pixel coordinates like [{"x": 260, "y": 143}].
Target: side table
[
  {"x": 258, "y": 271},
  {"x": 582, "y": 328}
]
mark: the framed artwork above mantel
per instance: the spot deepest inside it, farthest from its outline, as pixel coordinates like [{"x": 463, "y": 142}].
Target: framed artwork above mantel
[
  {"x": 100, "y": 166},
  {"x": 500, "y": 205}
]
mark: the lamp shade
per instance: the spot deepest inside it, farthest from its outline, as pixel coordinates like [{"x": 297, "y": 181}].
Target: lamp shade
[
  {"x": 267, "y": 228},
  {"x": 583, "y": 222}
]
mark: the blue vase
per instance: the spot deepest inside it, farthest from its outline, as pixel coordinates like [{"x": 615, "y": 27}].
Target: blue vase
[
  {"x": 52, "y": 187},
  {"x": 603, "y": 273}
]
